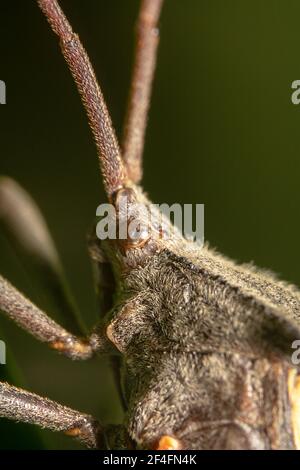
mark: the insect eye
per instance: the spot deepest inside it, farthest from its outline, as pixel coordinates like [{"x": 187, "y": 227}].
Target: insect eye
[
  {"x": 137, "y": 234},
  {"x": 168, "y": 443},
  {"x": 124, "y": 196},
  {"x": 132, "y": 219}
]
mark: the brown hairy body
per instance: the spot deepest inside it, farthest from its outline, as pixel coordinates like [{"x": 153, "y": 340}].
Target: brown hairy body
[{"x": 205, "y": 344}]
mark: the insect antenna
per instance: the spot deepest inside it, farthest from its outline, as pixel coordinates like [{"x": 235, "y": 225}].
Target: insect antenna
[
  {"x": 147, "y": 39},
  {"x": 113, "y": 169}
]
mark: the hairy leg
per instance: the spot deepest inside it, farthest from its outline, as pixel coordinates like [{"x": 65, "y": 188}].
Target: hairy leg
[
  {"x": 105, "y": 287},
  {"x": 29, "y": 317},
  {"x": 20, "y": 405}
]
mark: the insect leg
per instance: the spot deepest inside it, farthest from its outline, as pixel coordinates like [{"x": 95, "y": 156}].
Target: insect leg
[
  {"x": 140, "y": 92},
  {"x": 29, "y": 317},
  {"x": 105, "y": 287},
  {"x": 26, "y": 229},
  {"x": 20, "y": 405}
]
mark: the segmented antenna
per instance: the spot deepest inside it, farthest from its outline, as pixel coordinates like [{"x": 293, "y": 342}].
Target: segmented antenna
[
  {"x": 147, "y": 39},
  {"x": 113, "y": 169}
]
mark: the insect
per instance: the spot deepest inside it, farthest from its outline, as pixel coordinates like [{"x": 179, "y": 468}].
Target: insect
[{"x": 204, "y": 344}]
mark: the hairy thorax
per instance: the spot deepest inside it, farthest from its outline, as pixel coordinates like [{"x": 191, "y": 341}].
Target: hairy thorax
[{"x": 206, "y": 355}]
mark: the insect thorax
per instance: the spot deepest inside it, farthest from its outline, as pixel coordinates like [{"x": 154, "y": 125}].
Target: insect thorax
[{"x": 204, "y": 351}]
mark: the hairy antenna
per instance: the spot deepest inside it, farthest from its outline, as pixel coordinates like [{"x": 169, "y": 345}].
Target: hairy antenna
[
  {"x": 140, "y": 93},
  {"x": 113, "y": 169}
]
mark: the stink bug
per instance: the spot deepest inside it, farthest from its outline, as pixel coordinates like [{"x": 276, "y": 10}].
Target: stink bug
[{"x": 204, "y": 344}]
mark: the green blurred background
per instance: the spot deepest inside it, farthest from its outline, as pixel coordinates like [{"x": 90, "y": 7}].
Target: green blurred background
[{"x": 222, "y": 132}]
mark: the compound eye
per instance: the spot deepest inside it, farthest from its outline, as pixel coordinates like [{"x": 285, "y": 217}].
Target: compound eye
[
  {"x": 168, "y": 443},
  {"x": 124, "y": 197},
  {"x": 138, "y": 234},
  {"x": 133, "y": 219}
]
